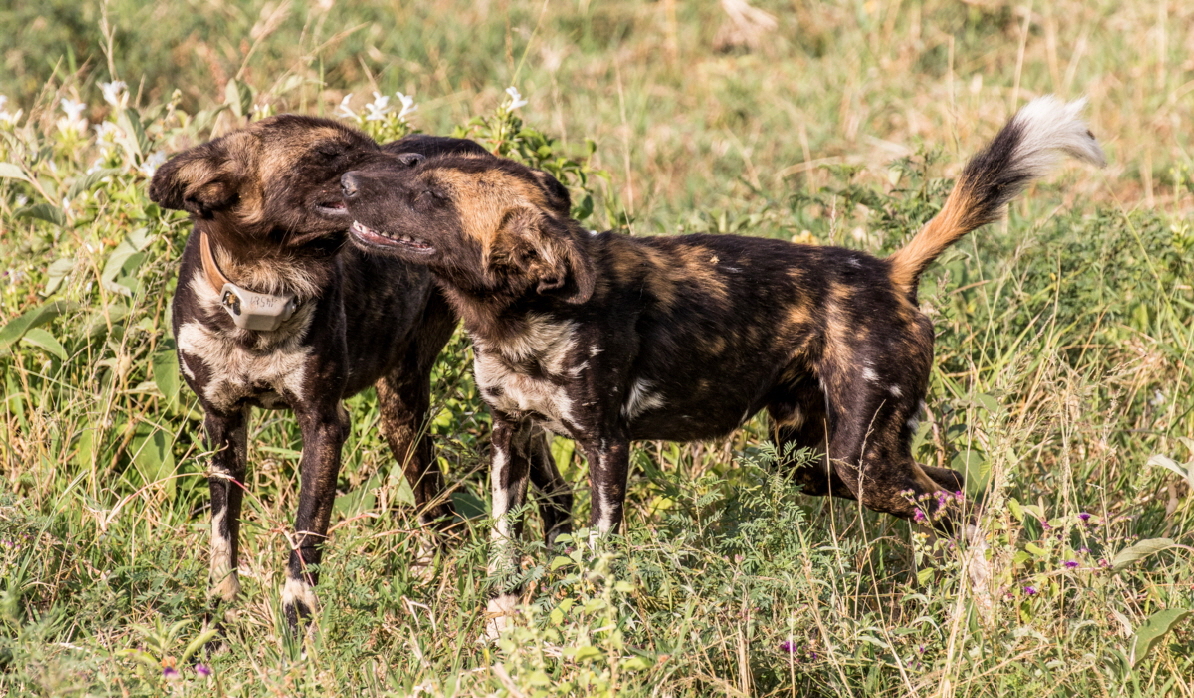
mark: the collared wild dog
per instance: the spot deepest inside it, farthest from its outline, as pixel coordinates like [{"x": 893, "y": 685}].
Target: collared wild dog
[
  {"x": 270, "y": 221},
  {"x": 607, "y": 338}
]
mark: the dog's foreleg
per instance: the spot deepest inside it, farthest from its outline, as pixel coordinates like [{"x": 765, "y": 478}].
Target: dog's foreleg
[
  {"x": 324, "y": 431},
  {"x": 509, "y": 473},
  {"x": 609, "y": 463},
  {"x": 556, "y": 504},
  {"x": 226, "y": 436}
]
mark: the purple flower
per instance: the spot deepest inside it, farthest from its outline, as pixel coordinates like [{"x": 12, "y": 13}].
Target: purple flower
[
  {"x": 919, "y": 516},
  {"x": 1070, "y": 564},
  {"x": 170, "y": 672},
  {"x": 202, "y": 670},
  {"x": 1084, "y": 550},
  {"x": 1084, "y": 517},
  {"x": 1045, "y": 525},
  {"x": 1103, "y": 563},
  {"x": 1030, "y": 590},
  {"x": 787, "y": 646}
]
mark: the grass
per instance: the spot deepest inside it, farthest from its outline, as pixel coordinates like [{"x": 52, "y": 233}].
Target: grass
[{"x": 1064, "y": 353}]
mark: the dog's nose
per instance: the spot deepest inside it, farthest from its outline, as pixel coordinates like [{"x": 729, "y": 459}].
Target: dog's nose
[
  {"x": 410, "y": 159},
  {"x": 350, "y": 185}
]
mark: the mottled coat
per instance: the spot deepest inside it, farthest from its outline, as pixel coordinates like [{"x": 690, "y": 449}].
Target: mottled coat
[{"x": 608, "y": 338}]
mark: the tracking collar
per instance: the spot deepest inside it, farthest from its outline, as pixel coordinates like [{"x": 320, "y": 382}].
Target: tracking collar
[{"x": 259, "y": 312}]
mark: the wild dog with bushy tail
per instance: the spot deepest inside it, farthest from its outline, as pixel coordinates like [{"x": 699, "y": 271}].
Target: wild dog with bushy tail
[{"x": 607, "y": 338}]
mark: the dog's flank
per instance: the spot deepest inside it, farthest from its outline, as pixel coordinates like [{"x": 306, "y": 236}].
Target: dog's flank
[
  {"x": 609, "y": 338},
  {"x": 1025, "y": 149}
]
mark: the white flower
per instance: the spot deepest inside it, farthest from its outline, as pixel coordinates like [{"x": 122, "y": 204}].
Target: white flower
[
  {"x": 6, "y": 118},
  {"x": 408, "y": 105},
  {"x": 516, "y": 99},
  {"x": 152, "y": 163},
  {"x": 343, "y": 111},
  {"x": 116, "y": 93},
  {"x": 22, "y": 199},
  {"x": 379, "y": 108},
  {"x": 74, "y": 119}
]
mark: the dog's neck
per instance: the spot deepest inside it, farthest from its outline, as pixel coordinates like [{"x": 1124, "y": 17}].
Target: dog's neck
[{"x": 267, "y": 271}]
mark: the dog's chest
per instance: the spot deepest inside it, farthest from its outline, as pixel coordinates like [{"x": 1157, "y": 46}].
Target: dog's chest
[
  {"x": 533, "y": 374},
  {"x": 235, "y": 376}
]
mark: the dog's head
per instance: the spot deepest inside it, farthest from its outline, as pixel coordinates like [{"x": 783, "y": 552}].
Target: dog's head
[
  {"x": 485, "y": 225},
  {"x": 276, "y": 181}
]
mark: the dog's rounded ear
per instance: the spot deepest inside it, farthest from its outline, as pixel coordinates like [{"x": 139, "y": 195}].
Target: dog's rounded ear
[
  {"x": 197, "y": 181},
  {"x": 558, "y": 198},
  {"x": 554, "y": 258}
]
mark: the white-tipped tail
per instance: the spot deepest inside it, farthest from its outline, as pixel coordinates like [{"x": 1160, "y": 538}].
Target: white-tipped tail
[
  {"x": 1049, "y": 128},
  {"x": 1026, "y": 148}
]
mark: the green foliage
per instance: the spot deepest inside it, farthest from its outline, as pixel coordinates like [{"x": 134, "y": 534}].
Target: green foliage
[{"x": 1064, "y": 344}]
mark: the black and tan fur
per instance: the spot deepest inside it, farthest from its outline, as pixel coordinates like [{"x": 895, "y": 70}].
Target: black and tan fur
[
  {"x": 268, "y": 197},
  {"x": 607, "y": 338}
]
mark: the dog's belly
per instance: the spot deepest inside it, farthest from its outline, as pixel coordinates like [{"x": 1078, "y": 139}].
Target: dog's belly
[
  {"x": 238, "y": 377},
  {"x": 692, "y": 420}
]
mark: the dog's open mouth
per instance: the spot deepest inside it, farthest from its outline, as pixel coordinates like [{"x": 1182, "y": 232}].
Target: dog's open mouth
[
  {"x": 368, "y": 235},
  {"x": 334, "y": 207}
]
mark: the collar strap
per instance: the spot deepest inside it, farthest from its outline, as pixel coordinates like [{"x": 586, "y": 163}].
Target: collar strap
[{"x": 249, "y": 310}]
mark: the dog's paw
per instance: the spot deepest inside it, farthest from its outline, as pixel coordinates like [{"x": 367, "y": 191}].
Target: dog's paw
[{"x": 499, "y": 616}]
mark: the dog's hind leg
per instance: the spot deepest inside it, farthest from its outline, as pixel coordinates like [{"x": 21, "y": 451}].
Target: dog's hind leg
[
  {"x": 404, "y": 398},
  {"x": 325, "y": 428},
  {"x": 555, "y": 507},
  {"x": 798, "y": 421},
  {"x": 870, "y": 440},
  {"x": 226, "y": 436}
]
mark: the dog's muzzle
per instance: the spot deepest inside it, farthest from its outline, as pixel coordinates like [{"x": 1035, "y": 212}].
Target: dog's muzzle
[{"x": 259, "y": 312}]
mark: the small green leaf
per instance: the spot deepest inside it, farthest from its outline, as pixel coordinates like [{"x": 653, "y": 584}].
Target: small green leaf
[
  {"x": 1139, "y": 551},
  {"x": 138, "y": 144},
  {"x": 85, "y": 182},
  {"x": 1184, "y": 471},
  {"x": 1036, "y": 550},
  {"x": 469, "y": 506},
  {"x": 44, "y": 340},
  {"x": 57, "y": 272},
  {"x": 200, "y": 640},
  {"x": 239, "y": 98},
  {"x": 16, "y": 328},
  {"x": 44, "y": 211},
  {"x": 7, "y": 169},
  {"x": 362, "y": 499},
  {"x": 1155, "y": 627},
  {"x": 165, "y": 374}
]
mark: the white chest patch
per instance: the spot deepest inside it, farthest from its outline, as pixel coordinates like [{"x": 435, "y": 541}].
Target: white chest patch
[
  {"x": 509, "y": 390},
  {"x": 270, "y": 372}
]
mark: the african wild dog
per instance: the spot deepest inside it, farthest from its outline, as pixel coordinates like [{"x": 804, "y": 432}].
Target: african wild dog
[
  {"x": 607, "y": 338},
  {"x": 273, "y": 310}
]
